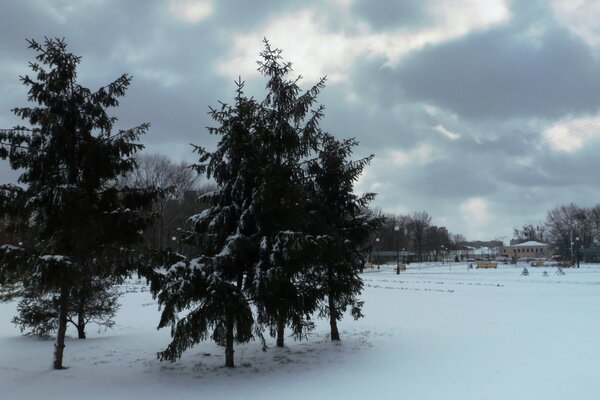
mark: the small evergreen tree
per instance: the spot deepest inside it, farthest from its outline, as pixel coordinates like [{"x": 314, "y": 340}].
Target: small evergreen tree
[
  {"x": 80, "y": 225},
  {"x": 95, "y": 302},
  {"x": 344, "y": 226}
]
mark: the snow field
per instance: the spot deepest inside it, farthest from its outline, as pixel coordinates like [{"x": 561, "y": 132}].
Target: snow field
[{"x": 428, "y": 333}]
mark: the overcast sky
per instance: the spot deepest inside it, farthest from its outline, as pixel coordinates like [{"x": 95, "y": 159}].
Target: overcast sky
[{"x": 484, "y": 113}]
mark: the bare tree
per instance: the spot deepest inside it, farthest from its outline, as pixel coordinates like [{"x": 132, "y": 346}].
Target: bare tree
[
  {"x": 182, "y": 185},
  {"x": 418, "y": 223},
  {"x": 529, "y": 232},
  {"x": 436, "y": 239},
  {"x": 564, "y": 224},
  {"x": 458, "y": 240},
  {"x": 389, "y": 238},
  {"x": 594, "y": 223},
  {"x": 414, "y": 234}
]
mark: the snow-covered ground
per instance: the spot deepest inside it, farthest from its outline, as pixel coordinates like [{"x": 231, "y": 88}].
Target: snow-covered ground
[{"x": 429, "y": 333}]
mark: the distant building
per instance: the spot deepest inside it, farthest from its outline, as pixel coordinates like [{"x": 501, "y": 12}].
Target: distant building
[
  {"x": 531, "y": 249},
  {"x": 484, "y": 253}
]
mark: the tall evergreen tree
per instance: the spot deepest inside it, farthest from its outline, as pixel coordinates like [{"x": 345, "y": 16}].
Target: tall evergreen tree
[
  {"x": 344, "y": 225},
  {"x": 80, "y": 223},
  {"x": 292, "y": 136},
  {"x": 260, "y": 235},
  {"x": 251, "y": 236},
  {"x": 215, "y": 285}
]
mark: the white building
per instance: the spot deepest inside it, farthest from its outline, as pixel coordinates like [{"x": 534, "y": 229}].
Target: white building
[{"x": 531, "y": 249}]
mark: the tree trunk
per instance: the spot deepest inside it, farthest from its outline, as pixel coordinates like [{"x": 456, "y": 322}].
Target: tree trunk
[
  {"x": 229, "y": 342},
  {"x": 62, "y": 328},
  {"x": 81, "y": 323},
  {"x": 280, "y": 332},
  {"x": 333, "y": 314}
]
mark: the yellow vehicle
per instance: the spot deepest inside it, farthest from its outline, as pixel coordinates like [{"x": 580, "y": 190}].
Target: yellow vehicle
[
  {"x": 486, "y": 264},
  {"x": 537, "y": 263}
]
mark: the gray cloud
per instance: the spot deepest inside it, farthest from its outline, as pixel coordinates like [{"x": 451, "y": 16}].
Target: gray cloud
[
  {"x": 391, "y": 14},
  {"x": 495, "y": 90},
  {"x": 498, "y": 74},
  {"x": 242, "y": 15}
]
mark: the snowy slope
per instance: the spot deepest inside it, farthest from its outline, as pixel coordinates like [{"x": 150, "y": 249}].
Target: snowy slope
[{"x": 429, "y": 333}]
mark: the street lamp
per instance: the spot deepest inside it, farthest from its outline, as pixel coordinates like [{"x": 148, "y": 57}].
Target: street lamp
[
  {"x": 442, "y": 254},
  {"x": 377, "y": 241},
  {"x": 177, "y": 240},
  {"x": 397, "y": 229},
  {"x": 577, "y": 250},
  {"x": 572, "y": 244}
]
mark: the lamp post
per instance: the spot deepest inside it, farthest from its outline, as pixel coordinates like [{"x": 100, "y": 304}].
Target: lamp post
[
  {"x": 177, "y": 240},
  {"x": 577, "y": 250},
  {"x": 377, "y": 241},
  {"x": 442, "y": 254},
  {"x": 397, "y": 229}
]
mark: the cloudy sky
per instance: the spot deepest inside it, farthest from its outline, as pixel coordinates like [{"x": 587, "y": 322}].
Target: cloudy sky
[{"x": 484, "y": 113}]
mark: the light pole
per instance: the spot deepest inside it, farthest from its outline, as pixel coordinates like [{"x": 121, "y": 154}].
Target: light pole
[
  {"x": 442, "y": 254},
  {"x": 377, "y": 241},
  {"x": 397, "y": 229},
  {"x": 177, "y": 240},
  {"x": 577, "y": 250}
]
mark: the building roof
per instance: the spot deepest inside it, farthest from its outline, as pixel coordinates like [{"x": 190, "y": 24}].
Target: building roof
[{"x": 530, "y": 243}]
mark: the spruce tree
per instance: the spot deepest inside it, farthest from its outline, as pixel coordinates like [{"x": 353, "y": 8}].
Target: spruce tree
[
  {"x": 271, "y": 238},
  {"x": 214, "y": 287},
  {"x": 80, "y": 225},
  {"x": 344, "y": 225},
  {"x": 292, "y": 136},
  {"x": 96, "y": 302},
  {"x": 251, "y": 235}
]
